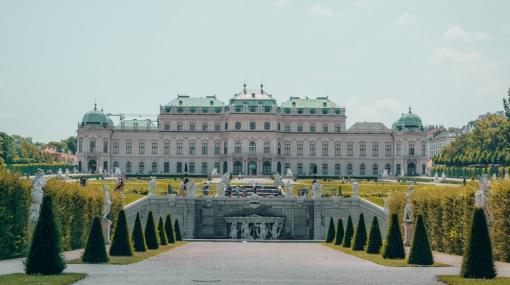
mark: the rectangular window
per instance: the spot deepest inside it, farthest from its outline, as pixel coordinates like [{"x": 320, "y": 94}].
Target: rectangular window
[
  {"x": 411, "y": 149},
  {"x": 300, "y": 169},
  {"x": 338, "y": 128},
  {"x": 312, "y": 149},
  {"x": 166, "y": 167},
  {"x": 179, "y": 148},
  {"x": 191, "y": 148},
  {"x": 105, "y": 146},
  {"x": 375, "y": 150},
  {"x": 300, "y": 127},
  {"x": 300, "y": 149},
  {"x": 387, "y": 150},
  {"x": 398, "y": 169},
  {"x": 204, "y": 167},
  {"x": 205, "y": 148},
  {"x": 238, "y": 125},
  {"x": 399, "y": 148},
  {"x": 141, "y": 148},
  {"x": 287, "y": 127},
  {"x": 362, "y": 149},
  {"x": 217, "y": 166},
  {"x": 205, "y": 126},
  {"x": 154, "y": 148},
  {"x": 92, "y": 146},
  {"x": 179, "y": 126},
  {"x": 324, "y": 169},
  {"x": 129, "y": 148},
  {"x": 191, "y": 167},
  {"x": 325, "y": 149},
  {"x": 267, "y": 148},
  {"x": 423, "y": 149},
  {"x": 237, "y": 147},
  {"x": 217, "y": 148},
  {"x": 286, "y": 149},
  {"x": 338, "y": 149},
  {"x": 350, "y": 148},
  {"x": 338, "y": 169},
  {"x": 115, "y": 147},
  {"x": 217, "y": 126},
  {"x": 192, "y": 126},
  {"x": 166, "y": 148},
  {"x": 324, "y": 128},
  {"x": 312, "y": 128},
  {"x": 178, "y": 168},
  {"x": 167, "y": 127}
]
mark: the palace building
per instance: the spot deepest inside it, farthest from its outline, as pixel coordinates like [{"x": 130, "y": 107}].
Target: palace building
[{"x": 251, "y": 135}]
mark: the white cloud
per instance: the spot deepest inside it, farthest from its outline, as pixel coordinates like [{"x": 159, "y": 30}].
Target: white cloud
[
  {"x": 406, "y": 20},
  {"x": 386, "y": 111},
  {"x": 458, "y": 33},
  {"x": 447, "y": 54},
  {"x": 321, "y": 10}
]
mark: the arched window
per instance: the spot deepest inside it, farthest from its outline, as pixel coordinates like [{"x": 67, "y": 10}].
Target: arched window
[
  {"x": 141, "y": 167},
  {"x": 238, "y": 167},
  {"x": 128, "y": 167},
  {"x": 266, "y": 168},
  {"x": 154, "y": 168},
  {"x": 252, "y": 148},
  {"x": 105, "y": 146},
  {"x": 375, "y": 169},
  {"x": 92, "y": 145},
  {"x": 362, "y": 169}
]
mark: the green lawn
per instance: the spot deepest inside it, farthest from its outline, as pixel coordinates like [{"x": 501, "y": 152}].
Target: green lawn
[
  {"x": 130, "y": 198},
  {"x": 138, "y": 256},
  {"x": 22, "y": 278},
  {"x": 457, "y": 280},
  {"x": 377, "y": 258}
]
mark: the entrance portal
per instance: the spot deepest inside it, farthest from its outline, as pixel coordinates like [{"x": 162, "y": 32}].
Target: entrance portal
[
  {"x": 252, "y": 168},
  {"x": 411, "y": 169},
  {"x": 92, "y": 166}
]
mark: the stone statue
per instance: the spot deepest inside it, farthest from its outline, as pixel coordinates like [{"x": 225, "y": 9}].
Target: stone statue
[
  {"x": 494, "y": 177},
  {"x": 289, "y": 192},
  {"x": 245, "y": 231},
  {"x": 191, "y": 188},
  {"x": 482, "y": 195},
  {"x": 226, "y": 178},
  {"x": 233, "y": 230},
  {"x": 221, "y": 189},
  {"x": 276, "y": 229},
  {"x": 289, "y": 174},
  {"x": 37, "y": 195},
  {"x": 277, "y": 180},
  {"x": 261, "y": 231},
  {"x": 214, "y": 172},
  {"x": 355, "y": 189},
  {"x": 316, "y": 189},
  {"x": 60, "y": 174},
  {"x": 385, "y": 173},
  {"x": 436, "y": 178},
  {"x": 67, "y": 174},
  {"x": 152, "y": 186},
  {"x": 106, "y": 223},
  {"x": 408, "y": 218},
  {"x": 443, "y": 177}
]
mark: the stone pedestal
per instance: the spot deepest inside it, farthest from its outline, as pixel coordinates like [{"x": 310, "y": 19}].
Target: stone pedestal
[
  {"x": 408, "y": 234},
  {"x": 106, "y": 225}
]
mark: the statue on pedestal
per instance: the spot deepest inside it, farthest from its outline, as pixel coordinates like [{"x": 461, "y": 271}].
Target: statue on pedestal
[
  {"x": 233, "y": 230},
  {"x": 36, "y": 196},
  {"x": 261, "y": 231},
  {"x": 67, "y": 175},
  {"x": 245, "y": 231},
  {"x": 482, "y": 195},
  {"x": 191, "y": 188},
  {"x": 60, "y": 174},
  {"x": 289, "y": 174},
  {"x": 276, "y": 229},
  {"x": 214, "y": 172},
  {"x": 355, "y": 189},
  {"x": 152, "y": 186},
  {"x": 105, "y": 222},
  {"x": 316, "y": 189},
  {"x": 289, "y": 192},
  {"x": 408, "y": 218}
]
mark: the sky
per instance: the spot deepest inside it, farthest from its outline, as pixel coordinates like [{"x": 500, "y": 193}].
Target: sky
[{"x": 448, "y": 60}]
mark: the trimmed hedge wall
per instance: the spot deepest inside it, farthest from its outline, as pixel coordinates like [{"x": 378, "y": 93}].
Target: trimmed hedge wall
[
  {"x": 470, "y": 171},
  {"x": 448, "y": 210},
  {"x": 31, "y": 168},
  {"x": 74, "y": 206}
]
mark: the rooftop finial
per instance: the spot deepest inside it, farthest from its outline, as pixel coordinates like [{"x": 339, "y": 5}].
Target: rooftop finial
[
  {"x": 95, "y": 106},
  {"x": 261, "y": 88},
  {"x": 244, "y": 87},
  {"x": 409, "y": 109}
]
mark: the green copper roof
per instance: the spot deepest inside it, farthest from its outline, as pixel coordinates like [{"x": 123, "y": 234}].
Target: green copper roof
[
  {"x": 252, "y": 97},
  {"x": 140, "y": 124},
  {"x": 187, "y": 101},
  {"x": 409, "y": 121},
  {"x": 320, "y": 102},
  {"x": 96, "y": 117}
]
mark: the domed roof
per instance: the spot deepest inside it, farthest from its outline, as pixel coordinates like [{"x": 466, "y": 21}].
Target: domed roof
[
  {"x": 409, "y": 121},
  {"x": 96, "y": 117}
]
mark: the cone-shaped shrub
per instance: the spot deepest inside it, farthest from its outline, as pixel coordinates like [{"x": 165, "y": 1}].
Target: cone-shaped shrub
[
  {"x": 339, "y": 232},
  {"x": 421, "y": 253},
  {"x": 360, "y": 237},
  {"x": 121, "y": 245},
  {"x": 374, "y": 238},
  {"x": 393, "y": 247},
  {"x": 151, "y": 237},
  {"x": 330, "y": 235},
  {"x": 95, "y": 251},
  {"x": 178, "y": 236},
  {"x": 161, "y": 232},
  {"x": 45, "y": 255},
  {"x": 349, "y": 232},
  {"x": 137, "y": 236},
  {"x": 169, "y": 229},
  {"x": 478, "y": 261}
]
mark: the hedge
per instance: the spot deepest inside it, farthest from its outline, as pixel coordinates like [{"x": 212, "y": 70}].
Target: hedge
[
  {"x": 470, "y": 171},
  {"x": 448, "y": 210},
  {"x": 74, "y": 207},
  {"x": 31, "y": 168}
]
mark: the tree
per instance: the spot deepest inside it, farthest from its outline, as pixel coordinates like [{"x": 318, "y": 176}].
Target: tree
[
  {"x": 151, "y": 237},
  {"x": 169, "y": 229},
  {"x": 478, "y": 261},
  {"x": 95, "y": 251},
  {"x": 121, "y": 245},
  {"x": 360, "y": 237},
  {"x": 393, "y": 247},
  {"x": 339, "y": 232},
  {"x": 374, "y": 238},
  {"x": 161, "y": 231},
  {"x": 349, "y": 232},
  {"x": 178, "y": 236},
  {"x": 421, "y": 253},
  {"x": 45, "y": 255},
  {"x": 506, "y": 105},
  {"x": 137, "y": 236},
  {"x": 330, "y": 235}
]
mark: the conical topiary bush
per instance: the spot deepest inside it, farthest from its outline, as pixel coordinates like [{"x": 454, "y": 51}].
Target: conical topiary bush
[
  {"x": 420, "y": 253},
  {"x": 45, "y": 254},
  {"x": 137, "y": 236},
  {"x": 330, "y": 235},
  {"x": 161, "y": 232},
  {"x": 374, "y": 238},
  {"x": 478, "y": 261},
  {"x": 121, "y": 245},
  {"x": 95, "y": 251},
  {"x": 169, "y": 229},
  {"x": 360, "y": 237},
  {"x": 339, "y": 232},
  {"x": 393, "y": 247},
  {"x": 151, "y": 237},
  {"x": 349, "y": 232},
  {"x": 177, "y": 229}
]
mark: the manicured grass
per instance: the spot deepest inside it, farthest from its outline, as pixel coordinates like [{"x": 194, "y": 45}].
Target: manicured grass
[
  {"x": 377, "y": 258},
  {"x": 22, "y": 278},
  {"x": 130, "y": 198},
  {"x": 138, "y": 256},
  {"x": 457, "y": 280}
]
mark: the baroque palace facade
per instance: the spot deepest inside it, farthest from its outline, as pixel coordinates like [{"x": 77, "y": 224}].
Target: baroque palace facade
[{"x": 251, "y": 135}]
